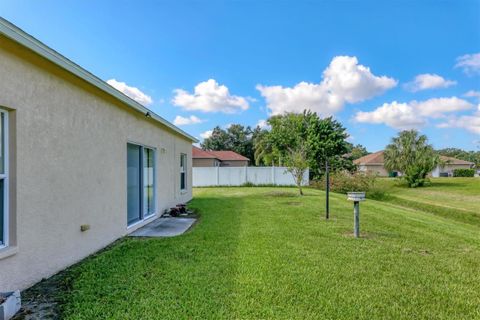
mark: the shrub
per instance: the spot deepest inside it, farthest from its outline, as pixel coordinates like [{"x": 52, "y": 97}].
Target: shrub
[
  {"x": 463, "y": 172},
  {"x": 343, "y": 182},
  {"x": 248, "y": 184}
]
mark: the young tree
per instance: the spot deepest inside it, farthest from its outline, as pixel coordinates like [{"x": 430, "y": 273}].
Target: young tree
[
  {"x": 297, "y": 164},
  {"x": 411, "y": 154}
]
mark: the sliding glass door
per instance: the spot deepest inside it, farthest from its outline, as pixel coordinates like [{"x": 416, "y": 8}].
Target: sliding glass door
[
  {"x": 148, "y": 181},
  {"x": 3, "y": 179},
  {"x": 140, "y": 182}
]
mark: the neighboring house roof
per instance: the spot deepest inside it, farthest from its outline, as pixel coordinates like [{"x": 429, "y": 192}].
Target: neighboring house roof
[
  {"x": 371, "y": 159},
  {"x": 24, "y": 39},
  {"x": 229, "y": 156},
  {"x": 377, "y": 159},
  {"x": 451, "y": 160},
  {"x": 198, "y": 153}
]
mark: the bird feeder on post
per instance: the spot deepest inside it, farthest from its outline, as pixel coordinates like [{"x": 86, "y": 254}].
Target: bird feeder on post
[{"x": 356, "y": 197}]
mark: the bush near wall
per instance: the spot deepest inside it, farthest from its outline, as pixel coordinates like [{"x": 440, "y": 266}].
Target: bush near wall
[{"x": 463, "y": 172}]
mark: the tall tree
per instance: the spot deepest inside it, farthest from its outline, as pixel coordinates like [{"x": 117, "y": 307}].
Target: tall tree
[
  {"x": 411, "y": 154},
  {"x": 235, "y": 138},
  {"x": 323, "y": 139},
  {"x": 217, "y": 141},
  {"x": 326, "y": 140},
  {"x": 357, "y": 151}
]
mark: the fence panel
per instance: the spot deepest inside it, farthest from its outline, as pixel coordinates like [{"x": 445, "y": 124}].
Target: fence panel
[{"x": 237, "y": 176}]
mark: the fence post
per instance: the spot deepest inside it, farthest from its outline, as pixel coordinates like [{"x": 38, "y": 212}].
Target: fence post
[
  {"x": 246, "y": 174},
  {"x": 273, "y": 174},
  {"x": 217, "y": 175}
]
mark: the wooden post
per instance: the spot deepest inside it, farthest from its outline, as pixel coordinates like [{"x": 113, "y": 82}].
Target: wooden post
[
  {"x": 327, "y": 190},
  {"x": 356, "y": 219}
]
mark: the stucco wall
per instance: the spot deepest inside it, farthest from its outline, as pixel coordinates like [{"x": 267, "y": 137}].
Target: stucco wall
[
  {"x": 203, "y": 162},
  {"x": 448, "y": 169},
  {"x": 68, "y": 156},
  {"x": 375, "y": 169}
]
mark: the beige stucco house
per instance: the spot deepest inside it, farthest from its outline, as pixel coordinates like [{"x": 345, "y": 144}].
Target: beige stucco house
[
  {"x": 75, "y": 154},
  {"x": 373, "y": 163},
  {"x": 203, "y": 158}
]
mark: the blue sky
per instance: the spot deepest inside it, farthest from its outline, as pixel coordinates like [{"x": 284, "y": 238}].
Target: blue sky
[{"x": 377, "y": 66}]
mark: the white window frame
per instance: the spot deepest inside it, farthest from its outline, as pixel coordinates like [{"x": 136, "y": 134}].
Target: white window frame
[
  {"x": 183, "y": 169},
  {"x": 4, "y": 177}
]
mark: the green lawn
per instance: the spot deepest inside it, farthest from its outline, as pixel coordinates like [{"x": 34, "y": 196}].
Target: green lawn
[
  {"x": 454, "y": 198},
  {"x": 267, "y": 253}
]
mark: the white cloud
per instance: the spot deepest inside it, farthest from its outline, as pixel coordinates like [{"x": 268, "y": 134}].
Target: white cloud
[
  {"x": 131, "y": 92},
  {"x": 428, "y": 81},
  {"x": 209, "y": 96},
  {"x": 413, "y": 114},
  {"x": 437, "y": 107},
  {"x": 472, "y": 94},
  {"x": 263, "y": 124},
  {"x": 344, "y": 81},
  {"x": 469, "y": 63},
  {"x": 182, "y": 121},
  {"x": 206, "y": 134},
  {"x": 396, "y": 115},
  {"x": 468, "y": 122}
]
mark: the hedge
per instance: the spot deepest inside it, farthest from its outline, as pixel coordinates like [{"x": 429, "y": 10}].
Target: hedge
[{"x": 463, "y": 172}]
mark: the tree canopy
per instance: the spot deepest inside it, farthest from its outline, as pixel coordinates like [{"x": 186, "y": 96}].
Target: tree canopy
[
  {"x": 322, "y": 139},
  {"x": 357, "y": 151},
  {"x": 289, "y": 136},
  {"x": 235, "y": 138}
]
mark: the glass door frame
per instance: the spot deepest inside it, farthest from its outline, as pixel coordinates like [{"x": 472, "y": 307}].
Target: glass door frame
[{"x": 142, "y": 216}]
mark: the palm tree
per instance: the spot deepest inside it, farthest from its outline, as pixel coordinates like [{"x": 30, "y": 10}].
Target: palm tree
[{"x": 411, "y": 154}]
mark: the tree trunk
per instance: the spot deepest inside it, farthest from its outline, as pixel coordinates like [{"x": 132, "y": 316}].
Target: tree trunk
[{"x": 300, "y": 189}]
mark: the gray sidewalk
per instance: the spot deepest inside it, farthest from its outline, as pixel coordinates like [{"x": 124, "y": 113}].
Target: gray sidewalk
[{"x": 164, "y": 227}]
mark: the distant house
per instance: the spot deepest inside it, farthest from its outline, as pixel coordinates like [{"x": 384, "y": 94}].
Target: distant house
[
  {"x": 451, "y": 164},
  {"x": 202, "y": 158},
  {"x": 374, "y": 163}
]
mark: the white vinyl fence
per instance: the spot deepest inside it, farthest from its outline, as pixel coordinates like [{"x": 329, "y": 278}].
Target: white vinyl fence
[{"x": 237, "y": 176}]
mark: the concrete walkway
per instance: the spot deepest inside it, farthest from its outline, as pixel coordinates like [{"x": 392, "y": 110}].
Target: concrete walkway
[{"x": 164, "y": 227}]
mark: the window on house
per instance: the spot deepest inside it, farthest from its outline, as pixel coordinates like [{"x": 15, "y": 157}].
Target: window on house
[
  {"x": 140, "y": 182},
  {"x": 3, "y": 179},
  {"x": 183, "y": 171}
]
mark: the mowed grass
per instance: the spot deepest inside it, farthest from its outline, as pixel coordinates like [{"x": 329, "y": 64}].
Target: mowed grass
[
  {"x": 266, "y": 253},
  {"x": 454, "y": 198}
]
